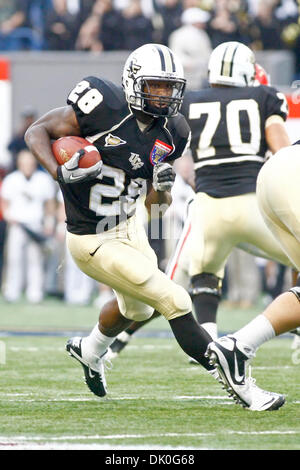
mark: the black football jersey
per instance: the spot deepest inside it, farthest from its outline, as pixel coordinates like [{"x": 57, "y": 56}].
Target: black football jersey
[
  {"x": 128, "y": 155},
  {"x": 228, "y": 135}
]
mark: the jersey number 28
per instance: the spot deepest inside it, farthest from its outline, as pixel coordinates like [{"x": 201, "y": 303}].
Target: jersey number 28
[{"x": 89, "y": 100}]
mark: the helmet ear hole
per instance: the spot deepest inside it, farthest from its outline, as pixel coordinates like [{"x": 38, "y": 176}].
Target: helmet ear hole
[{"x": 153, "y": 62}]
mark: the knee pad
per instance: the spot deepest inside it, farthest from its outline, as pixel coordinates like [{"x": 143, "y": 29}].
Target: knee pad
[
  {"x": 133, "y": 309},
  {"x": 174, "y": 303},
  {"x": 296, "y": 292},
  {"x": 205, "y": 283},
  {"x": 139, "y": 315},
  {"x": 177, "y": 303}
]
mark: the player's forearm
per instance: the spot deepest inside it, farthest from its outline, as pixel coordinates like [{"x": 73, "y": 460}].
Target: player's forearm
[
  {"x": 57, "y": 123},
  {"x": 159, "y": 198},
  {"x": 39, "y": 143},
  {"x": 277, "y": 136}
]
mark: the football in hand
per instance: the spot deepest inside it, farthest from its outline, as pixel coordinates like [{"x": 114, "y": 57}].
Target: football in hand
[{"x": 65, "y": 147}]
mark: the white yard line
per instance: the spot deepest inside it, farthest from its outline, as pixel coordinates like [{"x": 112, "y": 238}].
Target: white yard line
[
  {"x": 130, "y": 347},
  {"x": 91, "y": 446},
  {"x": 22, "y": 397},
  {"x": 30, "y": 397},
  {"x": 5, "y": 441}
]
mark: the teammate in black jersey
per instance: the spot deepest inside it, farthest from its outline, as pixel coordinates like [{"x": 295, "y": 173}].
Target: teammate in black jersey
[
  {"x": 234, "y": 126},
  {"x": 138, "y": 131}
]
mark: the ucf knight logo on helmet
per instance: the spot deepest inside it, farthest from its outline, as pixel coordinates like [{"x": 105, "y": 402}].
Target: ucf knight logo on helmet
[{"x": 133, "y": 69}]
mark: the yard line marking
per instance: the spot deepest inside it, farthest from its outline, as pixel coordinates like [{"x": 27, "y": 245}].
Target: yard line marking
[
  {"x": 97, "y": 436},
  {"x": 201, "y": 397},
  {"x": 15, "y": 439},
  {"x": 24, "y": 397},
  {"x": 83, "y": 399},
  {"x": 34, "y": 349},
  {"x": 16, "y": 394},
  {"x": 271, "y": 367},
  {"x": 254, "y": 433},
  {"x": 131, "y": 347},
  {"x": 91, "y": 446}
]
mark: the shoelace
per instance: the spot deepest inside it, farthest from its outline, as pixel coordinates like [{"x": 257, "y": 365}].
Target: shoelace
[
  {"x": 107, "y": 363},
  {"x": 252, "y": 382}
]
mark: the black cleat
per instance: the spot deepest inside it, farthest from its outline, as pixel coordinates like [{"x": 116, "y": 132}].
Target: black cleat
[
  {"x": 230, "y": 357},
  {"x": 95, "y": 379}
]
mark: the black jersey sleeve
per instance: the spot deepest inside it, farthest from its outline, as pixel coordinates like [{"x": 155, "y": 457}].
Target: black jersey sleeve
[
  {"x": 98, "y": 105},
  {"x": 276, "y": 102},
  {"x": 181, "y": 136}
]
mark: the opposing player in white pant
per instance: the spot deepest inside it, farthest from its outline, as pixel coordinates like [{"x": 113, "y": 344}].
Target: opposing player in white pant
[{"x": 278, "y": 194}]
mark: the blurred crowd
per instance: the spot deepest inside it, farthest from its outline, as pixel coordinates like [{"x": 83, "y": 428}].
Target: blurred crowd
[
  {"x": 186, "y": 26},
  {"x": 100, "y": 25}
]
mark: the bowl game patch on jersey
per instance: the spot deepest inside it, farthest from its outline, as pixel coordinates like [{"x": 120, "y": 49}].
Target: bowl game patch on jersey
[{"x": 159, "y": 152}]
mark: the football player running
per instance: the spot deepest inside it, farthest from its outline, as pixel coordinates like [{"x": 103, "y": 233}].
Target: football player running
[
  {"x": 278, "y": 197},
  {"x": 138, "y": 132}
]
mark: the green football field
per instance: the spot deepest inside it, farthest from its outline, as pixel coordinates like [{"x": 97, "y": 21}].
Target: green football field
[{"x": 156, "y": 399}]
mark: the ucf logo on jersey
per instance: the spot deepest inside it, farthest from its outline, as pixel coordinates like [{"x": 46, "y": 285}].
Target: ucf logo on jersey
[{"x": 135, "y": 161}]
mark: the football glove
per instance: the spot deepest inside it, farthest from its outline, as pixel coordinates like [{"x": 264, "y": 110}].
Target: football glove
[
  {"x": 71, "y": 173},
  {"x": 163, "y": 177}
]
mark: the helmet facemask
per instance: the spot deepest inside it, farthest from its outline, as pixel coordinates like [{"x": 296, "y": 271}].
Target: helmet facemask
[{"x": 159, "y": 104}]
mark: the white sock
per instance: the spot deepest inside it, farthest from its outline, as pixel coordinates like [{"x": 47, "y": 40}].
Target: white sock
[
  {"x": 95, "y": 345},
  {"x": 124, "y": 337},
  {"x": 211, "y": 329},
  {"x": 255, "y": 333}
]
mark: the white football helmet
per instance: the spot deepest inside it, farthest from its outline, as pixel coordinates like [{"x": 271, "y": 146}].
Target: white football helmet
[
  {"x": 233, "y": 64},
  {"x": 153, "y": 62}
]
